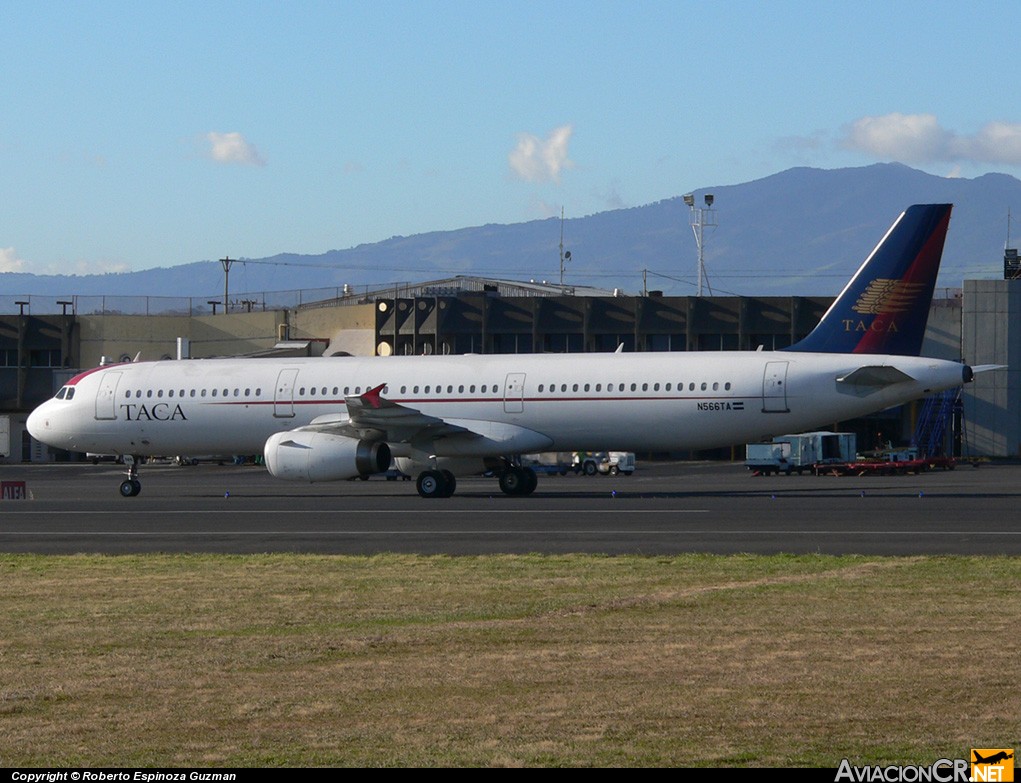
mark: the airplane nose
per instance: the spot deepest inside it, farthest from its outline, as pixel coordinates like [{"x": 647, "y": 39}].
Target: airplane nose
[{"x": 41, "y": 424}]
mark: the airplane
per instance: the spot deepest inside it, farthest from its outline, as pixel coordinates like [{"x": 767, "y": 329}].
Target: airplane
[
  {"x": 333, "y": 418},
  {"x": 996, "y": 758}
]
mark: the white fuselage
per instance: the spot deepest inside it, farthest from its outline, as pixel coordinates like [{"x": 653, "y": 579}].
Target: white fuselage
[{"x": 522, "y": 402}]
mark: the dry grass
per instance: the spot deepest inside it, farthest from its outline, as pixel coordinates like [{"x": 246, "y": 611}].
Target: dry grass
[{"x": 577, "y": 660}]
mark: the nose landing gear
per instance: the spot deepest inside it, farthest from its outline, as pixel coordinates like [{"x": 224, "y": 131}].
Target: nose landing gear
[{"x": 131, "y": 486}]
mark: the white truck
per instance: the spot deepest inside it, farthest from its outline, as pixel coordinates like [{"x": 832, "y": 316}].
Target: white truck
[{"x": 608, "y": 463}]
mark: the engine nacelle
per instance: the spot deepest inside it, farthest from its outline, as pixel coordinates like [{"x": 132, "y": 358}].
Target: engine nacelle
[{"x": 320, "y": 456}]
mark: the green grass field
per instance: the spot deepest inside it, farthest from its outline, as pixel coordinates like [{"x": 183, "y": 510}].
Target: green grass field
[{"x": 505, "y": 661}]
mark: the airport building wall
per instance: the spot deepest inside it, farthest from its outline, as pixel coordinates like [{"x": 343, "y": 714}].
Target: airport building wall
[
  {"x": 122, "y": 337},
  {"x": 991, "y": 331},
  {"x": 348, "y": 329}
]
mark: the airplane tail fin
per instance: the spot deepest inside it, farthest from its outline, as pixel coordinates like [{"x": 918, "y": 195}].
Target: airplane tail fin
[{"x": 885, "y": 306}]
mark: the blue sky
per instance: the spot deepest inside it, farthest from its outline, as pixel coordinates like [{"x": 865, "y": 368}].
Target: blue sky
[{"x": 136, "y": 135}]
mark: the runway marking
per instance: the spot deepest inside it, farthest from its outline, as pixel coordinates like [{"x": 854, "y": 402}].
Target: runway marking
[
  {"x": 545, "y": 531},
  {"x": 366, "y": 512}
]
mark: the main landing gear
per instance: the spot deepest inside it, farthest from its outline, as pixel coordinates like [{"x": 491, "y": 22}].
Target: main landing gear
[
  {"x": 514, "y": 480},
  {"x": 436, "y": 483},
  {"x": 131, "y": 486}
]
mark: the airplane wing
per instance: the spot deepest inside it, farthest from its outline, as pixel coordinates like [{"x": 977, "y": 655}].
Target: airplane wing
[{"x": 370, "y": 417}]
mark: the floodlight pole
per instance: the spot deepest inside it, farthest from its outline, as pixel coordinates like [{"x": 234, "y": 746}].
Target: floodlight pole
[{"x": 701, "y": 218}]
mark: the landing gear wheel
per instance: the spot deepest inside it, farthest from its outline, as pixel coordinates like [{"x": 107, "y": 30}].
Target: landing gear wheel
[
  {"x": 518, "y": 481},
  {"x": 433, "y": 484},
  {"x": 511, "y": 481},
  {"x": 130, "y": 488},
  {"x": 450, "y": 483},
  {"x": 531, "y": 481}
]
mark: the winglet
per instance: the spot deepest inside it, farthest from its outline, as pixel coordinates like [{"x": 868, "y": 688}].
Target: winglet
[
  {"x": 372, "y": 396},
  {"x": 885, "y": 306}
]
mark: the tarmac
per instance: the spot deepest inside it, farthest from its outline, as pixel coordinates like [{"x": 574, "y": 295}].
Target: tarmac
[{"x": 664, "y": 508}]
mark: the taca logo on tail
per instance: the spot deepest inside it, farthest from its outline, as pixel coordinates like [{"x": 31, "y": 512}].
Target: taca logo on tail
[{"x": 884, "y": 309}]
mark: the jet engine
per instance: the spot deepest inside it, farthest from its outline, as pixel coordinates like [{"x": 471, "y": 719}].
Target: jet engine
[{"x": 320, "y": 456}]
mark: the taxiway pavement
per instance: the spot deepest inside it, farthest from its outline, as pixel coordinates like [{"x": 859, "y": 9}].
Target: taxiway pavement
[{"x": 664, "y": 508}]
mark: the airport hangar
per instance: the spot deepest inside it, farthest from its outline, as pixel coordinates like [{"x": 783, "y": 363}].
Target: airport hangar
[{"x": 44, "y": 342}]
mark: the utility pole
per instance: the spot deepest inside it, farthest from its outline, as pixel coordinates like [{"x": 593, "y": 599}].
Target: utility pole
[{"x": 226, "y": 264}]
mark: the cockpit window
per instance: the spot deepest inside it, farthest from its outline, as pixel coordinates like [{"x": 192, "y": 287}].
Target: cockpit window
[
  {"x": 62, "y": 392},
  {"x": 70, "y": 393}
]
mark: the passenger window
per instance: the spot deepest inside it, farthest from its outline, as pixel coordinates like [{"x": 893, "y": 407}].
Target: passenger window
[
  {"x": 312, "y": 392},
  {"x": 667, "y": 388},
  {"x": 324, "y": 391},
  {"x": 495, "y": 388},
  {"x": 691, "y": 386},
  {"x": 727, "y": 386},
  {"x": 645, "y": 387},
  {"x": 609, "y": 387},
  {"x": 655, "y": 387},
  {"x": 563, "y": 387},
  {"x": 634, "y": 387},
  {"x": 460, "y": 389},
  {"x": 237, "y": 392},
  {"x": 574, "y": 388},
  {"x": 586, "y": 387},
  {"x": 203, "y": 392},
  {"x": 415, "y": 390},
  {"x": 599, "y": 387},
  {"x": 138, "y": 394},
  {"x": 159, "y": 393},
  {"x": 148, "y": 393},
  {"x": 225, "y": 391},
  {"x": 214, "y": 392},
  {"x": 540, "y": 388},
  {"x": 471, "y": 389},
  {"x": 62, "y": 392},
  {"x": 258, "y": 392},
  {"x": 170, "y": 393},
  {"x": 404, "y": 390},
  {"x": 703, "y": 386},
  {"x": 716, "y": 386},
  {"x": 248, "y": 392},
  {"x": 335, "y": 391},
  {"x": 483, "y": 388},
  {"x": 191, "y": 393}
]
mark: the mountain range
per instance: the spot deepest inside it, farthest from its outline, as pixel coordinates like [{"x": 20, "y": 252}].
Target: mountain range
[{"x": 802, "y": 231}]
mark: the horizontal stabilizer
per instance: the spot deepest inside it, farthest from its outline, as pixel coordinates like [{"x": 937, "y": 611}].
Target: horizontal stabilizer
[{"x": 876, "y": 376}]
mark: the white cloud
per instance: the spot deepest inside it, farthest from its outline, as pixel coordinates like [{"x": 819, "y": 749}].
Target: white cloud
[
  {"x": 233, "y": 148},
  {"x": 541, "y": 160},
  {"x": 9, "y": 261},
  {"x": 919, "y": 138}
]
